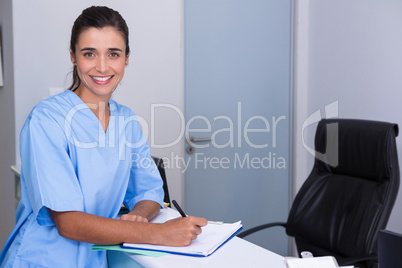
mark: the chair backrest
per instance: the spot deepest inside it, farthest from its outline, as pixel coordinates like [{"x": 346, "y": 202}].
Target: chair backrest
[
  {"x": 161, "y": 168},
  {"x": 349, "y": 194}
]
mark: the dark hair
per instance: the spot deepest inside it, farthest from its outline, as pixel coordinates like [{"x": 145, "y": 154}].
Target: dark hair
[{"x": 96, "y": 17}]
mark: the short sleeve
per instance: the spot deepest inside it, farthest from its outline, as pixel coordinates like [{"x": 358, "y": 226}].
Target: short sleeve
[
  {"x": 47, "y": 169},
  {"x": 145, "y": 182}
]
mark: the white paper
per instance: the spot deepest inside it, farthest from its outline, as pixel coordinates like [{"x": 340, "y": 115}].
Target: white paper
[{"x": 165, "y": 214}]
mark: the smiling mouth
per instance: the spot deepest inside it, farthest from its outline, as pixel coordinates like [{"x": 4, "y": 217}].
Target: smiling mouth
[{"x": 101, "y": 78}]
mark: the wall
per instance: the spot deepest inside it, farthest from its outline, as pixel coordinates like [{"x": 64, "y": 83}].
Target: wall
[
  {"x": 7, "y": 132},
  {"x": 350, "y": 52},
  {"x": 41, "y": 60}
]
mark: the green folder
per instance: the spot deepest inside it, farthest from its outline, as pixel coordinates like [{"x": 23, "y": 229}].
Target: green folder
[{"x": 154, "y": 254}]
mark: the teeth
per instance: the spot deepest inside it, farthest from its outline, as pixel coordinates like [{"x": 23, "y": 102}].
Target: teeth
[{"x": 102, "y": 79}]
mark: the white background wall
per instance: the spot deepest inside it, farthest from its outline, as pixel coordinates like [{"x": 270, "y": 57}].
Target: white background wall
[{"x": 350, "y": 52}]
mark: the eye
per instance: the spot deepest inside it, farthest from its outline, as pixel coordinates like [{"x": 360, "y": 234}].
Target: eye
[
  {"x": 114, "y": 55},
  {"x": 89, "y": 54}
]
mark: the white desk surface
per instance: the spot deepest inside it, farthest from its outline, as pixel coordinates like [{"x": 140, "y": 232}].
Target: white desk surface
[{"x": 235, "y": 253}]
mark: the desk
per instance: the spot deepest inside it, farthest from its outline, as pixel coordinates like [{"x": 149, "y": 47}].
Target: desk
[{"x": 235, "y": 253}]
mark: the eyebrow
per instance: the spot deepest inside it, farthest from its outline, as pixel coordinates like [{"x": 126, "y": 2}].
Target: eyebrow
[{"x": 94, "y": 49}]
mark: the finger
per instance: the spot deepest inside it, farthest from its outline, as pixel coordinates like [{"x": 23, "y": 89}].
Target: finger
[
  {"x": 198, "y": 231},
  {"x": 128, "y": 217},
  {"x": 194, "y": 236},
  {"x": 138, "y": 218},
  {"x": 134, "y": 218},
  {"x": 201, "y": 222},
  {"x": 123, "y": 217}
]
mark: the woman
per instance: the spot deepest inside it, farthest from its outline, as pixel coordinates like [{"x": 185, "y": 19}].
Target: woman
[{"x": 82, "y": 157}]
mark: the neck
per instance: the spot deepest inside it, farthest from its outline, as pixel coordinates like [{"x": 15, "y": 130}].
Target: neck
[
  {"x": 99, "y": 105},
  {"x": 90, "y": 98}
]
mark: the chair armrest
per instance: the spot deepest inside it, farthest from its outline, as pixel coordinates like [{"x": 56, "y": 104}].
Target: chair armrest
[{"x": 260, "y": 227}]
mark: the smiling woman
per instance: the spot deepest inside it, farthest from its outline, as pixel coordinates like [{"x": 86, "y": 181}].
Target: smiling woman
[
  {"x": 98, "y": 18},
  {"x": 71, "y": 193},
  {"x": 99, "y": 61},
  {"x": 100, "y": 54}
]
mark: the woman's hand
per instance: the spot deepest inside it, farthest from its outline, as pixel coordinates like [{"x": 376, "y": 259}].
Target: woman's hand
[
  {"x": 143, "y": 211},
  {"x": 133, "y": 217},
  {"x": 179, "y": 232}
]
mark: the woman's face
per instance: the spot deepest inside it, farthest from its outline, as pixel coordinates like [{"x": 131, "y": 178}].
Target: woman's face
[{"x": 101, "y": 60}]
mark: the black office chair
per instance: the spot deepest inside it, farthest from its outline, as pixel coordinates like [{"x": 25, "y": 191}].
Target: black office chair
[
  {"x": 161, "y": 168},
  {"x": 340, "y": 208}
]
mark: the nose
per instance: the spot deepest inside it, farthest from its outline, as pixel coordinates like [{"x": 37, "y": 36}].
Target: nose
[{"x": 102, "y": 65}]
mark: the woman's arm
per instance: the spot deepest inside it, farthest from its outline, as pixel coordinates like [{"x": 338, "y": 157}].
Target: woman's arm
[{"x": 81, "y": 226}]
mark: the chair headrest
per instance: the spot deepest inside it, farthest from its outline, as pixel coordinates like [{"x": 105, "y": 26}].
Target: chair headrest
[{"x": 361, "y": 148}]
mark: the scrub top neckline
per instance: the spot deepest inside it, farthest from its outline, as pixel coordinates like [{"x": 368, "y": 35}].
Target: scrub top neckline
[{"x": 77, "y": 101}]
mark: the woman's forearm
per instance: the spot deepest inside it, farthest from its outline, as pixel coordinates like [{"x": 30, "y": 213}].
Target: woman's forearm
[
  {"x": 81, "y": 226},
  {"x": 84, "y": 227}
]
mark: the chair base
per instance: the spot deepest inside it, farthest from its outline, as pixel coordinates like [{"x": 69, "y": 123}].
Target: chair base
[{"x": 370, "y": 262}]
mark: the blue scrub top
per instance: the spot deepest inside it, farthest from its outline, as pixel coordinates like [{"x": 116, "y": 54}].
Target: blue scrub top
[{"x": 69, "y": 163}]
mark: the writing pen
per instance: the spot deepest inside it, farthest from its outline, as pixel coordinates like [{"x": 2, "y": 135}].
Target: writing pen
[{"x": 176, "y": 205}]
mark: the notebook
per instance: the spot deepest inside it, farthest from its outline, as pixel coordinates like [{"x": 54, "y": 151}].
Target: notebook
[{"x": 212, "y": 237}]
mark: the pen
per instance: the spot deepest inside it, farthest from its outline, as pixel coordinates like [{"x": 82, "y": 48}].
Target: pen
[
  {"x": 184, "y": 214},
  {"x": 178, "y": 208}
]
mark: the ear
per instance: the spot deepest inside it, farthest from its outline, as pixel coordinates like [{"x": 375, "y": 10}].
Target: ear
[
  {"x": 72, "y": 57},
  {"x": 127, "y": 60}
]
